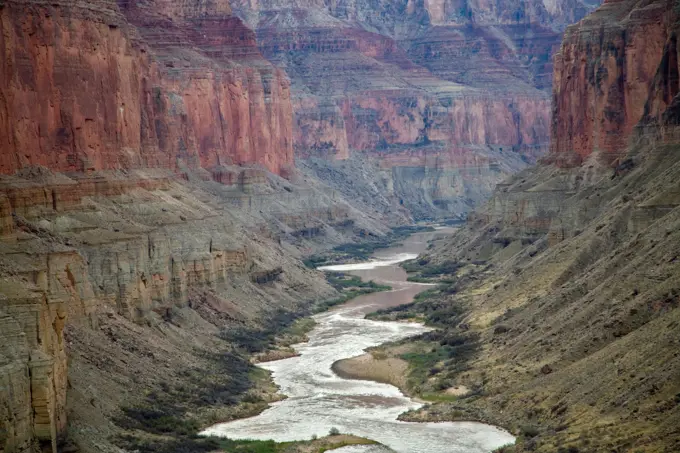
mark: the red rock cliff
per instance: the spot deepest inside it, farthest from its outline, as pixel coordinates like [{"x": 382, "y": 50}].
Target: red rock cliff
[
  {"x": 615, "y": 68},
  {"x": 412, "y": 82},
  {"x": 91, "y": 85}
]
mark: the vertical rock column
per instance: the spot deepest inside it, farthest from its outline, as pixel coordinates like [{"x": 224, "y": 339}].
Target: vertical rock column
[{"x": 43, "y": 399}]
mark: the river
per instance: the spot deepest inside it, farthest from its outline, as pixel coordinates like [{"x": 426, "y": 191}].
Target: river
[{"x": 319, "y": 400}]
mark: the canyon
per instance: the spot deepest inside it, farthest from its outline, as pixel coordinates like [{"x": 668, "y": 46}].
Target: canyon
[
  {"x": 144, "y": 210},
  {"x": 447, "y": 98},
  {"x": 166, "y": 166}
]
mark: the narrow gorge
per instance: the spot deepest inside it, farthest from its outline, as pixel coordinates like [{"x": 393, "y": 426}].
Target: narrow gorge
[{"x": 171, "y": 172}]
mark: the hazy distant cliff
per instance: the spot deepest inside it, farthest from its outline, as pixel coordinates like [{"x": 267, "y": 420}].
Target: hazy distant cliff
[{"x": 448, "y": 97}]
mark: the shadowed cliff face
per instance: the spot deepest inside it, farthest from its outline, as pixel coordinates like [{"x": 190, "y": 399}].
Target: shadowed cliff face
[
  {"x": 462, "y": 84},
  {"x": 88, "y": 86}
]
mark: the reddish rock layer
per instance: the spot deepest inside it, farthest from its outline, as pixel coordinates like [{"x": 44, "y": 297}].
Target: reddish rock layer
[
  {"x": 392, "y": 77},
  {"x": 381, "y": 120},
  {"x": 615, "y": 68},
  {"x": 80, "y": 91}
]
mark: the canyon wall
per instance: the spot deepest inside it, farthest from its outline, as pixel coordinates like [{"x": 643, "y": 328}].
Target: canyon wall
[
  {"x": 611, "y": 99},
  {"x": 91, "y": 86},
  {"x": 571, "y": 272},
  {"x": 408, "y": 84},
  {"x": 141, "y": 149},
  {"x": 614, "y": 69}
]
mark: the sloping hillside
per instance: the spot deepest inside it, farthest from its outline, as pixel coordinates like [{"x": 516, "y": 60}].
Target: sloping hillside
[{"x": 569, "y": 278}]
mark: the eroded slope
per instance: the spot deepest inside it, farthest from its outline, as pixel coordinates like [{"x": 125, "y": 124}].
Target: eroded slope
[{"x": 566, "y": 284}]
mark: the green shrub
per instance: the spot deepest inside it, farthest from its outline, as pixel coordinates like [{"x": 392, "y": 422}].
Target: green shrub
[
  {"x": 529, "y": 431},
  {"x": 509, "y": 448},
  {"x": 184, "y": 445}
]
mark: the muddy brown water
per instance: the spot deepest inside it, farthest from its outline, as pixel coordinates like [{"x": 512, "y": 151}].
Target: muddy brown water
[{"x": 319, "y": 400}]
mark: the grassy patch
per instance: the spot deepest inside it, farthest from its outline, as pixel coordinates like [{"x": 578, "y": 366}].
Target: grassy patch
[
  {"x": 328, "y": 443},
  {"x": 296, "y": 332},
  {"x": 438, "y": 397},
  {"x": 344, "y": 297},
  {"x": 509, "y": 448},
  {"x": 341, "y": 282},
  {"x": 415, "y": 279},
  {"x": 432, "y": 306},
  {"x": 197, "y": 444},
  {"x": 350, "y": 286},
  {"x": 440, "y": 355},
  {"x": 425, "y": 270},
  {"x": 362, "y": 251}
]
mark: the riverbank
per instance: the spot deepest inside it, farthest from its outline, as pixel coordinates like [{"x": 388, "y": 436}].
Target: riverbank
[
  {"x": 364, "y": 250},
  {"x": 331, "y": 442},
  {"x": 385, "y": 364},
  {"x": 319, "y": 399},
  {"x": 348, "y": 287},
  {"x": 169, "y": 418},
  {"x": 390, "y": 370}
]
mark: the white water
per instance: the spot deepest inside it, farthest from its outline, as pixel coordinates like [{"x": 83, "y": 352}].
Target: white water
[
  {"x": 319, "y": 400},
  {"x": 368, "y": 265}
]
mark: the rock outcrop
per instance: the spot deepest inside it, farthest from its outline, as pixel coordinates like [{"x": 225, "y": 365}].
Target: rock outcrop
[
  {"x": 614, "y": 69},
  {"x": 411, "y": 83}
]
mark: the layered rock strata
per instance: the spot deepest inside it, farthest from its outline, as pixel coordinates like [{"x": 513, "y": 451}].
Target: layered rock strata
[
  {"x": 136, "y": 247},
  {"x": 614, "y": 69},
  {"x": 88, "y": 86},
  {"x": 396, "y": 81}
]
